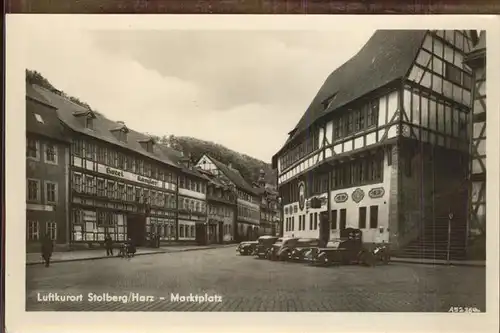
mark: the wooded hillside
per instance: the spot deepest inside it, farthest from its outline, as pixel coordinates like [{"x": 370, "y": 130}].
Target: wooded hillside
[{"x": 248, "y": 166}]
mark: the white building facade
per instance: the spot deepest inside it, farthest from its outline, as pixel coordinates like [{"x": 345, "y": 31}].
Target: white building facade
[{"x": 384, "y": 144}]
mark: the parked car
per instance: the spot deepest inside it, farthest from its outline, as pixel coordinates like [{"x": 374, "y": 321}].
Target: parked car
[
  {"x": 282, "y": 249},
  {"x": 264, "y": 244},
  {"x": 301, "y": 247},
  {"x": 345, "y": 251},
  {"x": 247, "y": 248}
]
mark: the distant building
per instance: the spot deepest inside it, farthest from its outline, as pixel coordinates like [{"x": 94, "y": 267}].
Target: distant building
[
  {"x": 383, "y": 146},
  {"x": 248, "y": 209},
  {"x": 47, "y": 174},
  {"x": 476, "y": 59},
  {"x": 222, "y": 208},
  {"x": 270, "y": 212},
  {"x": 192, "y": 204}
]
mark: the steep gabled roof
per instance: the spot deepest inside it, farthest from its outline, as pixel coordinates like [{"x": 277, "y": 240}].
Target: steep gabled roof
[
  {"x": 387, "y": 56},
  {"x": 66, "y": 111},
  {"x": 234, "y": 176},
  {"x": 41, "y": 117}
]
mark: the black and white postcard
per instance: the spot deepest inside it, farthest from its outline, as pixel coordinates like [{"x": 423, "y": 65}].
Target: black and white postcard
[{"x": 286, "y": 173}]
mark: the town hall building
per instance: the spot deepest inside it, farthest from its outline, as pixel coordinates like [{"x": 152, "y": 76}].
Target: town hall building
[{"x": 383, "y": 146}]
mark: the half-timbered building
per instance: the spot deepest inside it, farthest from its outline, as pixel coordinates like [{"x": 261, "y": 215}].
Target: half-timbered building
[
  {"x": 476, "y": 59},
  {"x": 221, "y": 203},
  {"x": 248, "y": 209},
  {"x": 192, "y": 203},
  {"x": 121, "y": 182},
  {"x": 47, "y": 159},
  {"x": 384, "y": 145},
  {"x": 270, "y": 215}
]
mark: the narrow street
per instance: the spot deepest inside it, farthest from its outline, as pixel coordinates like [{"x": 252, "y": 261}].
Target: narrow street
[{"x": 239, "y": 283}]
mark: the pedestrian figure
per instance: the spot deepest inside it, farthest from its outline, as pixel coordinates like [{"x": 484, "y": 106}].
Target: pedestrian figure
[
  {"x": 130, "y": 248},
  {"x": 47, "y": 249},
  {"x": 158, "y": 240},
  {"x": 108, "y": 242}
]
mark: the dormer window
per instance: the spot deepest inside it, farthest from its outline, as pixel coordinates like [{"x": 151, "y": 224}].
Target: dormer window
[
  {"x": 89, "y": 123},
  {"x": 39, "y": 118},
  {"x": 327, "y": 102},
  {"x": 120, "y": 131},
  {"x": 147, "y": 144},
  {"x": 88, "y": 117}
]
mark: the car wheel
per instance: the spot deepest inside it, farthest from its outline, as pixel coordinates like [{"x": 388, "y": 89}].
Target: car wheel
[{"x": 284, "y": 256}]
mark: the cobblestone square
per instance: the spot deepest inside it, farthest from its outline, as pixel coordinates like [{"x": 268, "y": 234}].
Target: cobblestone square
[{"x": 249, "y": 284}]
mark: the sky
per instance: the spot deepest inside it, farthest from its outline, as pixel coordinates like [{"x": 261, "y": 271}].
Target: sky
[{"x": 243, "y": 89}]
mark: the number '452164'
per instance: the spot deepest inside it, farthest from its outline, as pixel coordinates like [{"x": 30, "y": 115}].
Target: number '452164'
[{"x": 463, "y": 309}]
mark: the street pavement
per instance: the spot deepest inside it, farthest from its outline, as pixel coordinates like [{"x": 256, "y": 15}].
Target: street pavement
[{"x": 230, "y": 282}]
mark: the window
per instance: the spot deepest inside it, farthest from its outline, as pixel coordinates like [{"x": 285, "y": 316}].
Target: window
[
  {"x": 121, "y": 192},
  {"x": 359, "y": 117},
  {"x": 101, "y": 187},
  {"x": 467, "y": 81},
  {"x": 181, "y": 230},
  {"x": 192, "y": 231},
  {"x": 315, "y": 221},
  {"x": 342, "y": 219},
  {"x": 362, "y": 217},
  {"x": 33, "y": 230},
  {"x": 50, "y": 192},
  {"x": 33, "y": 190},
  {"x": 130, "y": 193},
  {"x": 51, "y": 230},
  {"x": 373, "y": 217},
  {"x": 311, "y": 221},
  {"x": 77, "y": 147},
  {"x": 110, "y": 188},
  {"x": 89, "y": 122},
  {"x": 32, "y": 149},
  {"x": 39, "y": 118},
  {"x": 334, "y": 220},
  {"x": 101, "y": 217},
  {"x": 77, "y": 182},
  {"x": 453, "y": 74}
]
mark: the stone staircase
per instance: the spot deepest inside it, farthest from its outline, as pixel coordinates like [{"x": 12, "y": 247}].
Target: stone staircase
[{"x": 433, "y": 239}]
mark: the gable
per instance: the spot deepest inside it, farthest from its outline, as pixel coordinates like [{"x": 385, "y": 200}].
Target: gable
[{"x": 385, "y": 58}]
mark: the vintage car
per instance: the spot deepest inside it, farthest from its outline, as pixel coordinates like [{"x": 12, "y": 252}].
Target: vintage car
[
  {"x": 264, "y": 244},
  {"x": 345, "y": 250},
  {"x": 301, "y": 247},
  {"x": 247, "y": 248},
  {"x": 282, "y": 249}
]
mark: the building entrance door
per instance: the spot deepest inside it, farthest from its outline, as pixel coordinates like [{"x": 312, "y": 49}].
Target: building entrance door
[
  {"x": 201, "y": 233},
  {"x": 136, "y": 229},
  {"x": 221, "y": 233},
  {"x": 324, "y": 228}
]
